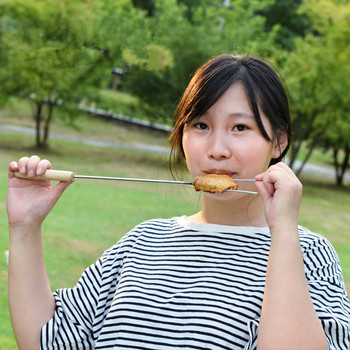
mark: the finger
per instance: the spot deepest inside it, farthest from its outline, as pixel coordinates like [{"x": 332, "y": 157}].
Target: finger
[
  {"x": 259, "y": 177},
  {"x": 270, "y": 171},
  {"x": 22, "y": 164},
  {"x": 265, "y": 188},
  {"x": 13, "y": 166},
  {"x": 32, "y": 165},
  {"x": 58, "y": 190},
  {"x": 267, "y": 182},
  {"x": 42, "y": 166}
]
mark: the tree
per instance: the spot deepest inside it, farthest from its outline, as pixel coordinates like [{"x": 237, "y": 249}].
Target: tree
[
  {"x": 193, "y": 31},
  {"x": 305, "y": 73},
  {"x": 317, "y": 75},
  {"x": 337, "y": 139},
  {"x": 44, "y": 54},
  {"x": 335, "y": 26},
  {"x": 56, "y": 52}
]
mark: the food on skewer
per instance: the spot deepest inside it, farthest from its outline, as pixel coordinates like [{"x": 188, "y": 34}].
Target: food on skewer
[
  {"x": 214, "y": 183},
  {"x": 209, "y": 182}
]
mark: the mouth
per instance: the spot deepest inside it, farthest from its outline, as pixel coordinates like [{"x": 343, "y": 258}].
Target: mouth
[{"x": 220, "y": 172}]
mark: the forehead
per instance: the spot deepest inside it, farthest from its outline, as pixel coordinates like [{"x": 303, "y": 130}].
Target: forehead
[
  {"x": 233, "y": 100},
  {"x": 235, "y": 103}
]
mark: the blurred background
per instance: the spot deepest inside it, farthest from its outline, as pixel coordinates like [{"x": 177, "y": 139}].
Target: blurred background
[{"x": 93, "y": 85}]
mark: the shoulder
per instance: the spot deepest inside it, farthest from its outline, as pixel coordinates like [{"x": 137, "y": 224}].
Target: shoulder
[
  {"x": 320, "y": 257},
  {"x": 145, "y": 230},
  {"x": 314, "y": 241},
  {"x": 158, "y": 224}
]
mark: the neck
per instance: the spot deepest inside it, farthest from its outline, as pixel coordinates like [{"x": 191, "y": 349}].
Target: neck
[{"x": 243, "y": 212}]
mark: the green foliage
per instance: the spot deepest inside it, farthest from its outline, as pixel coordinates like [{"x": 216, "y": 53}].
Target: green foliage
[
  {"x": 118, "y": 26},
  {"x": 193, "y": 32},
  {"x": 159, "y": 58},
  {"x": 63, "y": 51},
  {"x": 44, "y": 57},
  {"x": 118, "y": 102},
  {"x": 317, "y": 73},
  {"x": 54, "y": 52},
  {"x": 57, "y": 53},
  {"x": 44, "y": 48},
  {"x": 284, "y": 16}
]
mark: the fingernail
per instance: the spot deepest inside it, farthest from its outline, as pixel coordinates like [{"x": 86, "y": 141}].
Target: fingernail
[
  {"x": 39, "y": 171},
  {"x": 23, "y": 170},
  {"x": 31, "y": 173}
]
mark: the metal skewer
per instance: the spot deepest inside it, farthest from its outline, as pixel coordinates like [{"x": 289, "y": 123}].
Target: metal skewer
[
  {"x": 61, "y": 175},
  {"x": 170, "y": 182},
  {"x": 92, "y": 177}
]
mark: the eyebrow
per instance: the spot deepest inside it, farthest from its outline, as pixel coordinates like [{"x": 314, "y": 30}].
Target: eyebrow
[
  {"x": 240, "y": 115},
  {"x": 233, "y": 115}
]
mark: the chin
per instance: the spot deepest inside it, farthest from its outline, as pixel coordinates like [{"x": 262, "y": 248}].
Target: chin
[{"x": 225, "y": 196}]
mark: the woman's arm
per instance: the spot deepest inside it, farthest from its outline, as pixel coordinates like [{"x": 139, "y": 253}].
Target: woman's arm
[
  {"x": 31, "y": 302},
  {"x": 288, "y": 318}
]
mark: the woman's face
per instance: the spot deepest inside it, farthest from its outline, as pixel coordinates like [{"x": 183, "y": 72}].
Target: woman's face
[{"x": 227, "y": 140}]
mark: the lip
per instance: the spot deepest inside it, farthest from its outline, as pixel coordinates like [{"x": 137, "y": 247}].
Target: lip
[{"x": 220, "y": 172}]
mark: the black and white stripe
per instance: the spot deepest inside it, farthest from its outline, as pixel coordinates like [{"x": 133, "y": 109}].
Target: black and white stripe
[{"x": 176, "y": 284}]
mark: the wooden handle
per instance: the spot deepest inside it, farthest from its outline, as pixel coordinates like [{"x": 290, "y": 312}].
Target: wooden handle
[{"x": 54, "y": 175}]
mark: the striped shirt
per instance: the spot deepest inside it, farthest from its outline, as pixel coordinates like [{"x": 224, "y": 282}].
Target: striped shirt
[{"x": 172, "y": 283}]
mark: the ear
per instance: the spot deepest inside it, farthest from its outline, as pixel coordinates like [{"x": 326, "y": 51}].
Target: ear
[{"x": 280, "y": 144}]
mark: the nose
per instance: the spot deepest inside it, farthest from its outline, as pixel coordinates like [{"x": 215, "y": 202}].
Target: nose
[{"x": 219, "y": 147}]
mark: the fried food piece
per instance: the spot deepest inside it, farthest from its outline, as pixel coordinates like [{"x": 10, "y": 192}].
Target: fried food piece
[{"x": 214, "y": 183}]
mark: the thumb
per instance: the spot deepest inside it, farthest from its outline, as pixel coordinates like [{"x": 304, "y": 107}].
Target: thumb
[
  {"x": 58, "y": 189},
  {"x": 264, "y": 186}
]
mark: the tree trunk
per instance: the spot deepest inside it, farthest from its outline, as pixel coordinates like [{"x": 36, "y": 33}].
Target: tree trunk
[
  {"x": 47, "y": 123},
  {"x": 310, "y": 150},
  {"x": 300, "y": 169},
  {"x": 303, "y": 133},
  {"x": 294, "y": 152},
  {"x": 315, "y": 142},
  {"x": 296, "y": 145},
  {"x": 38, "y": 118},
  {"x": 346, "y": 161},
  {"x": 340, "y": 169}
]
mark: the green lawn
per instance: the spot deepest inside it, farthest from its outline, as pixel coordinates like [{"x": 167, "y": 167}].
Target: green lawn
[{"x": 91, "y": 215}]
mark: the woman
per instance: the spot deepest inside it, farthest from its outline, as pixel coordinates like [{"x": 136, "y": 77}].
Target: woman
[{"x": 239, "y": 274}]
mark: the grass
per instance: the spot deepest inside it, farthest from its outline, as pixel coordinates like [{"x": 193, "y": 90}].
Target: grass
[
  {"x": 20, "y": 113},
  {"x": 84, "y": 224},
  {"x": 91, "y": 216},
  {"x": 318, "y": 156}
]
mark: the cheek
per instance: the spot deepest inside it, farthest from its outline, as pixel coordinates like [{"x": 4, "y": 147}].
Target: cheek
[
  {"x": 257, "y": 154},
  {"x": 193, "y": 150},
  {"x": 251, "y": 148},
  {"x": 188, "y": 144}
]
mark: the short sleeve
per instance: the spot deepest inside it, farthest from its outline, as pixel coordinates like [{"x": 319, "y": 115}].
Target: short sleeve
[
  {"x": 72, "y": 323},
  {"x": 253, "y": 327},
  {"x": 80, "y": 311},
  {"x": 327, "y": 290}
]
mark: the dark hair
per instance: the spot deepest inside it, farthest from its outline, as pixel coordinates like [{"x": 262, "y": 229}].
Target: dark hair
[{"x": 263, "y": 87}]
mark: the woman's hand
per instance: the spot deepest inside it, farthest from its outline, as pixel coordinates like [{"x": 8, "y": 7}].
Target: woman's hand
[
  {"x": 288, "y": 319},
  {"x": 281, "y": 192},
  {"x": 30, "y": 201}
]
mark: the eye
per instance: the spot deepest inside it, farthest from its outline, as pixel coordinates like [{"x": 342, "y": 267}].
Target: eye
[
  {"x": 240, "y": 127},
  {"x": 201, "y": 126}
]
